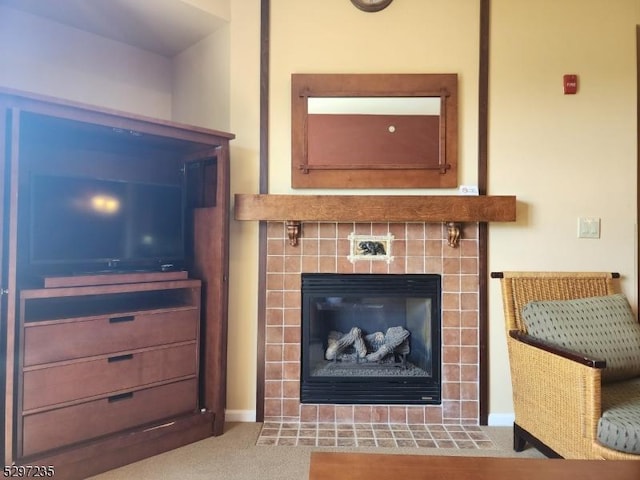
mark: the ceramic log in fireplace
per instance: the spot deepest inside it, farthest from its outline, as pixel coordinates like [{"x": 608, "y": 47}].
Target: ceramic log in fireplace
[{"x": 371, "y": 339}]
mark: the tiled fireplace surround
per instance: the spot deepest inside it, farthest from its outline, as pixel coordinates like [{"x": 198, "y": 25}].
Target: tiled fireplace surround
[{"x": 417, "y": 248}]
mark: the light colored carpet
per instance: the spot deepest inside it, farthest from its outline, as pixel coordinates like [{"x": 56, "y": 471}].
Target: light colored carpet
[{"x": 235, "y": 456}]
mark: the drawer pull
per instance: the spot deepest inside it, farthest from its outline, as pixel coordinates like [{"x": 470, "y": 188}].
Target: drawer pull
[
  {"x": 119, "y": 358},
  {"x": 122, "y": 396},
  {"x": 126, "y": 318}
]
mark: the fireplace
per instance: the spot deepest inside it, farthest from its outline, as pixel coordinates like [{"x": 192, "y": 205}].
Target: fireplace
[
  {"x": 371, "y": 339},
  {"x": 418, "y": 248}
]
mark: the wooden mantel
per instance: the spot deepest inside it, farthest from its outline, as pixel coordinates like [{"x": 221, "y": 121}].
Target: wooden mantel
[
  {"x": 376, "y": 208},
  {"x": 451, "y": 209}
]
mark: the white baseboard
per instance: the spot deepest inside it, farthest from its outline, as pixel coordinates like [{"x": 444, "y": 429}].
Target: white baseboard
[
  {"x": 501, "y": 419},
  {"x": 240, "y": 415}
]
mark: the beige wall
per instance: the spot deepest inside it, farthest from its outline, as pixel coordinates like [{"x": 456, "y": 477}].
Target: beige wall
[
  {"x": 333, "y": 36},
  {"x": 563, "y": 156}
]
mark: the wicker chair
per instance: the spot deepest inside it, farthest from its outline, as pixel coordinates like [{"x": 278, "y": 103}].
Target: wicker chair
[{"x": 556, "y": 392}]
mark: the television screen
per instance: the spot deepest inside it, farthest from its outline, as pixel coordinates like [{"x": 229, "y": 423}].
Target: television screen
[{"x": 94, "y": 223}]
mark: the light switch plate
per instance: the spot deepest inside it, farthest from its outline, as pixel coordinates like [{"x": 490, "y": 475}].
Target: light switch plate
[{"x": 588, "y": 227}]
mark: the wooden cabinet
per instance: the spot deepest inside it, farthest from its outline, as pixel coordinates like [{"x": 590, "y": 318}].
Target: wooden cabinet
[{"x": 107, "y": 367}]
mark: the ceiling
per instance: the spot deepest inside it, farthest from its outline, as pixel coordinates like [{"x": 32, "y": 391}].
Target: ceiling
[{"x": 165, "y": 27}]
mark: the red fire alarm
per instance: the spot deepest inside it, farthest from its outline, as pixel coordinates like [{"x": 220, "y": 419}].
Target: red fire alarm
[{"x": 570, "y": 83}]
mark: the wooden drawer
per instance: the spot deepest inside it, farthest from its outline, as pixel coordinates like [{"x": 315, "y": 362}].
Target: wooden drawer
[
  {"x": 81, "y": 379},
  {"x": 63, "y": 426},
  {"x": 105, "y": 335}
]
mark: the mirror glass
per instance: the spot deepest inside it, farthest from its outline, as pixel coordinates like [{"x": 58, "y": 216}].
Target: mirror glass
[{"x": 374, "y": 105}]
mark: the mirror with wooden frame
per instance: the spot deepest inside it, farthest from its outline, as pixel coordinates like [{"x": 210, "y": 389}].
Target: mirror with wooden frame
[{"x": 374, "y": 130}]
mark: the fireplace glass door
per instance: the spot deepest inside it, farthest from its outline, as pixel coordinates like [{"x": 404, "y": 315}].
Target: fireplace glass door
[{"x": 371, "y": 339}]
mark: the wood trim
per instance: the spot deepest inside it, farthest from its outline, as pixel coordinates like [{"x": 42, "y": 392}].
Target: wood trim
[
  {"x": 64, "y": 108},
  {"x": 10, "y": 235},
  {"x": 4, "y": 145},
  {"x": 375, "y": 208},
  {"x": 265, "y": 22},
  {"x": 558, "y": 350},
  {"x": 638, "y": 152},
  {"x": 483, "y": 228}
]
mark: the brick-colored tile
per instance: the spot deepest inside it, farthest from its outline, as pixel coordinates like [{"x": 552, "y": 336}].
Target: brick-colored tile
[
  {"x": 291, "y": 317},
  {"x": 292, "y": 335},
  {"x": 327, "y": 413},
  {"x": 415, "y": 231},
  {"x": 291, "y": 408},
  {"x": 380, "y": 414},
  {"x": 468, "y": 391},
  {"x": 468, "y": 337},
  {"x": 309, "y": 264},
  {"x": 291, "y": 371},
  {"x": 273, "y": 389},
  {"x": 397, "y": 414},
  {"x": 273, "y": 371},
  {"x": 469, "y": 354},
  {"x": 415, "y": 415},
  {"x": 292, "y": 299},
  {"x": 291, "y": 353},
  {"x": 327, "y": 264},
  {"x": 275, "y": 246},
  {"x": 344, "y": 414},
  {"x": 275, "y": 263},
  {"x": 451, "y": 390},
  {"x": 327, "y": 230},
  {"x": 469, "y": 409},
  {"x": 273, "y": 407},
  {"x": 309, "y": 413},
  {"x": 469, "y": 373},
  {"x": 275, "y": 230},
  {"x": 274, "y": 317},
  {"x": 275, "y": 299},
  {"x": 433, "y": 414},
  {"x": 293, "y": 265},
  {"x": 273, "y": 353},
  {"x": 274, "y": 334},
  {"x": 291, "y": 389},
  {"x": 310, "y": 229},
  {"x": 362, "y": 414},
  {"x": 292, "y": 281},
  {"x": 275, "y": 281},
  {"x": 451, "y": 373}
]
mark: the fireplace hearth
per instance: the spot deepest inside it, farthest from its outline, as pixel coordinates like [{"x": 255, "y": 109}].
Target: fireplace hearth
[{"x": 371, "y": 339}]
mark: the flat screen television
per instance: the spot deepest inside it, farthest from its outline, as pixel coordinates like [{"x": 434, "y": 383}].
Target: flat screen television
[{"x": 86, "y": 225}]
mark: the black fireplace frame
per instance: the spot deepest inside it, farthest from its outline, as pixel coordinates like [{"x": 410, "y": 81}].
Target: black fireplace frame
[{"x": 402, "y": 390}]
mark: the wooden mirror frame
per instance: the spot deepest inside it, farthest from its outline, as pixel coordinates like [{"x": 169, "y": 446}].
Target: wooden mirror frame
[{"x": 393, "y": 165}]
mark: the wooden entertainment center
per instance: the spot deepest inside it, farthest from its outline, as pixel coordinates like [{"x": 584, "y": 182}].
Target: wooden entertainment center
[{"x": 103, "y": 368}]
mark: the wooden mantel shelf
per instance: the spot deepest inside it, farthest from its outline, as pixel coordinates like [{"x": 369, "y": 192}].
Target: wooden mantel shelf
[
  {"x": 452, "y": 209},
  {"x": 376, "y": 208}
]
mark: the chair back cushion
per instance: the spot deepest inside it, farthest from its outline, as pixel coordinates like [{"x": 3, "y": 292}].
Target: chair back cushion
[{"x": 599, "y": 327}]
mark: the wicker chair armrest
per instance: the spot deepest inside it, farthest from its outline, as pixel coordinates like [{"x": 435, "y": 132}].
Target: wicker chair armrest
[{"x": 558, "y": 350}]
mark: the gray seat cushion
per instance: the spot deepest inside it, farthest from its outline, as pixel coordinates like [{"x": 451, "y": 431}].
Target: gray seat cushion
[
  {"x": 619, "y": 425},
  {"x": 599, "y": 327}
]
